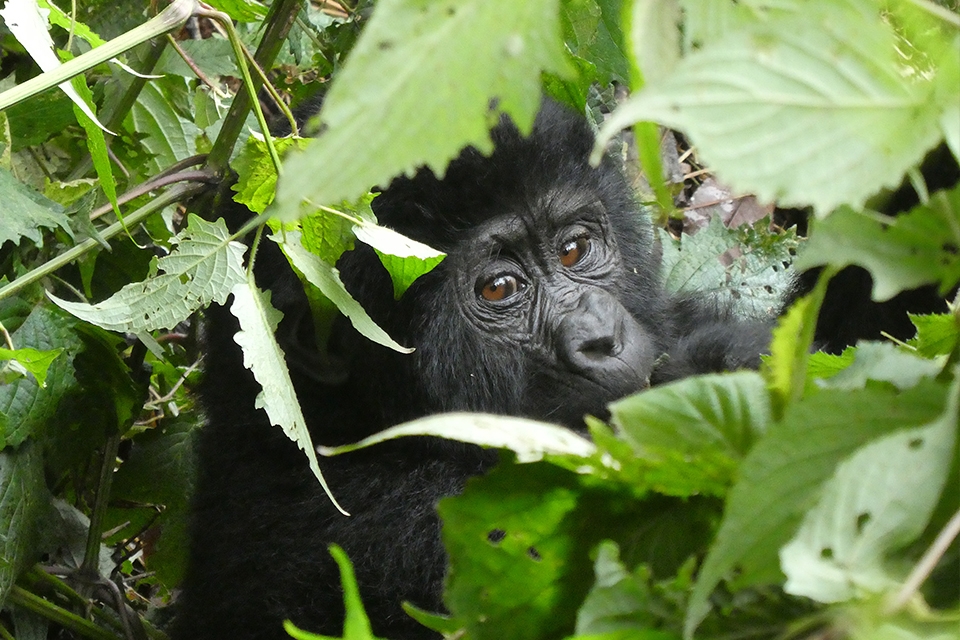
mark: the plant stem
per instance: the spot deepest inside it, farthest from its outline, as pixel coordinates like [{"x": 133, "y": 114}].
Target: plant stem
[
  {"x": 282, "y": 15},
  {"x": 31, "y": 602},
  {"x": 175, "y": 194},
  {"x": 926, "y": 565}
]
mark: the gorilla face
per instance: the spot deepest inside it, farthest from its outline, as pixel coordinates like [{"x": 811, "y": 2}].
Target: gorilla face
[{"x": 533, "y": 296}]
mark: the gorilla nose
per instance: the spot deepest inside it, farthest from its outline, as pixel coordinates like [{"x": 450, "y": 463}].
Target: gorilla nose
[{"x": 590, "y": 334}]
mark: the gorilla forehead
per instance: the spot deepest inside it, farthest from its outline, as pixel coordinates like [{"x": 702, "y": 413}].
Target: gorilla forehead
[{"x": 529, "y": 178}]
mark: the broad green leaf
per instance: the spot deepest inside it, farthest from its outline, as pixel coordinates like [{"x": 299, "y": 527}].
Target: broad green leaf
[
  {"x": 264, "y": 357},
  {"x": 31, "y": 360},
  {"x": 518, "y": 548},
  {"x": 168, "y": 136},
  {"x": 948, "y": 88},
  {"x": 901, "y": 253},
  {"x": 529, "y": 439},
  {"x": 722, "y": 413},
  {"x": 405, "y": 259},
  {"x": 375, "y": 122},
  {"x": 782, "y": 108},
  {"x": 204, "y": 267},
  {"x": 23, "y": 501},
  {"x": 327, "y": 279},
  {"x": 655, "y": 37},
  {"x": 878, "y": 501},
  {"x": 326, "y": 235},
  {"x": 785, "y": 471},
  {"x": 214, "y": 56},
  {"x": 24, "y": 211}
]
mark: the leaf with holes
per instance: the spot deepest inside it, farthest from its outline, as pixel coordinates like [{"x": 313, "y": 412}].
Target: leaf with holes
[{"x": 879, "y": 500}]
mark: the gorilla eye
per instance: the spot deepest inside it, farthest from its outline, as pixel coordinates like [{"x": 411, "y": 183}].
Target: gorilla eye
[
  {"x": 574, "y": 250},
  {"x": 500, "y": 287}
]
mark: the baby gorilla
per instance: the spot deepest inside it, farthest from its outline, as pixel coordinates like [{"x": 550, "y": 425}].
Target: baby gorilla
[{"x": 548, "y": 306}]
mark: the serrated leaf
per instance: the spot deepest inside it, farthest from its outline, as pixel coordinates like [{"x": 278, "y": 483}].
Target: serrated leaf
[
  {"x": 529, "y": 439},
  {"x": 204, "y": 267},
  {"x": 327, "y": 279},
  {"x": 878, "y": 500},
  {"x": 936, "y": 334},
  {"x": 376, "y": 124},
  {"x": 885, "y": 362},
  {"x": 916, "y": 248},
  {"x": 782, "y": 108},
  {"x": 24, "y": 211},
  {"x": 723, "y": 413},
  {"x": 264, "y": 357},
  {"x": 256, "y": 176},
  {"x": 786, "y": 469}
]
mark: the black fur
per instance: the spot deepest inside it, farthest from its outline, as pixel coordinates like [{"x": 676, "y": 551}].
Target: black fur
[{"x": 578, "y": 339}]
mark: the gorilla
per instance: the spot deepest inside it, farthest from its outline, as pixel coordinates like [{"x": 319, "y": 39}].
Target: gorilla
[{"x": 548, "y": 306}]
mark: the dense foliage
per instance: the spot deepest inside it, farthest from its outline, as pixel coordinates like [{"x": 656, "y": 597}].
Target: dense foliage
[{"x": 819, "y": 497}]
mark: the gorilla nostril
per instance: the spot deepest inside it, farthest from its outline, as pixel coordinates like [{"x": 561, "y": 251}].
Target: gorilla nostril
[{"x": 599, "y": 348}]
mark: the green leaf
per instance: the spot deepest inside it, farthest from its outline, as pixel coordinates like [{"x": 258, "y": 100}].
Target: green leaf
[
  {"x": 936, "y": 334},
  {"x": 781, "y": 108},
  {"x": 878, "y": 500},
  {"x": 738, "y": 268},
  {"x": 241, "y": 10},
  {"x": 785, "y": 470},
  {"x": 618, "y": 600},
  {"x": 31, "y": 360},
  {"x": 204, "y": 267},
  {"x": 712, "y": 413},
  {"x": 160, "y": 470},
  {"x": 23, "y": 500},
  {"x": 24, "y": 211},
  {"x": 214, "y": 56},
  {"x": 327, "y": 236},
  {"x": 518, "y": 549},
  {"x": 375, "y": 123},
  {"x": 655, "y": 37},
  {"x": 405, "y": 259},
  {"x": 27, "y": 407},
  {"x": 256, "y": 176},
  {"x": 885, "y": 362},
  {"x": 786, "y": 368},
  {"x": 901, "y": 253},
  {"x": 356, "y": 624},
  {"x": 168, "y": 135},
  {"x": 327, "y": 279},
  {"x": 264, "y": 357},
  {"x": 529, "y": 439}
]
